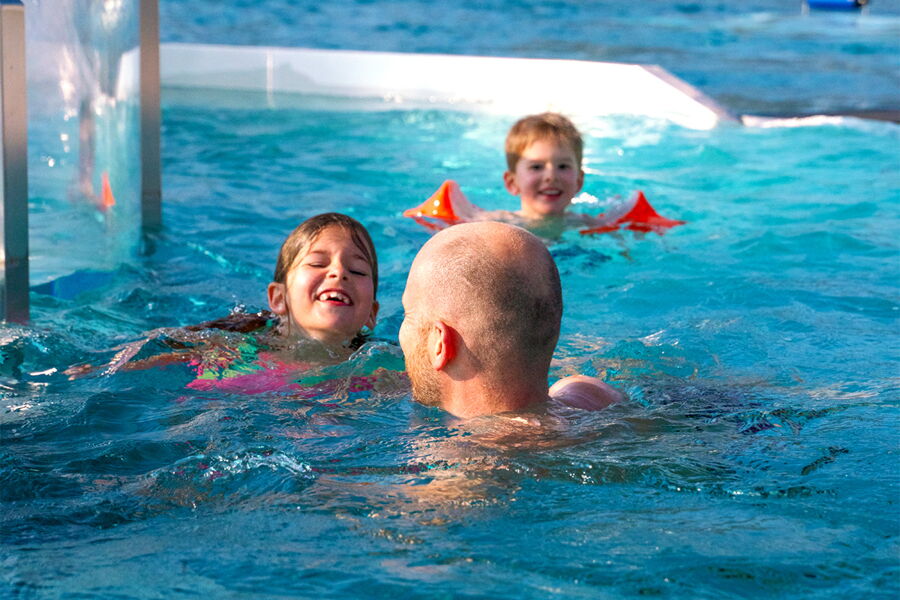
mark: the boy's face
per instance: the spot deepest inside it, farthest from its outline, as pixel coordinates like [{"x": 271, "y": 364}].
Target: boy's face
[{"x": 546, "y": 178}]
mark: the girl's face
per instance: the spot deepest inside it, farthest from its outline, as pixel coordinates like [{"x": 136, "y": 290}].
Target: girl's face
[{"x": 329, "y": 294}]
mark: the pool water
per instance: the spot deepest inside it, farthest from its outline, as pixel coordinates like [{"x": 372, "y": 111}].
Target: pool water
[{"x": 756, "y": 456}]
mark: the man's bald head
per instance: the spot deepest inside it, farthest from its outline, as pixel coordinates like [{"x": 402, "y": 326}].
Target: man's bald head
[{"x": 498, "y": 285}]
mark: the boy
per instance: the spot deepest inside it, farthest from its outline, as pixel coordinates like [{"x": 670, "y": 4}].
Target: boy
[{"x": 543, "y": 154}]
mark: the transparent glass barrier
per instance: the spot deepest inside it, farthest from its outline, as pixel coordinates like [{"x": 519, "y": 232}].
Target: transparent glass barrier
[{"x": 83, "y": 128}]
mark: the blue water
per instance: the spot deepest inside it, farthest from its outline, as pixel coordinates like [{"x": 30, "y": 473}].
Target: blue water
[{"x": 756, "y": 456}]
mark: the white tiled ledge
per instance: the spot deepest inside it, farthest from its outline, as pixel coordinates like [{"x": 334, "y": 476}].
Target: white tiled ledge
[{"x": 514, "y": 86}]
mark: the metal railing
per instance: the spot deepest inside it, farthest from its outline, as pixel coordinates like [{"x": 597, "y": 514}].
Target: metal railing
[
  {"x": 151, "y": 192},
  {"x": 13, "y": 164}
]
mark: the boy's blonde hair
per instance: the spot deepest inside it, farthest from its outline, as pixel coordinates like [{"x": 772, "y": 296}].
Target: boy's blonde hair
[{"x": 548, "y": 125}]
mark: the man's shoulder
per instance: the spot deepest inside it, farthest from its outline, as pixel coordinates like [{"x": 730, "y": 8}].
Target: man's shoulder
[{"x": 584, "y": 392}]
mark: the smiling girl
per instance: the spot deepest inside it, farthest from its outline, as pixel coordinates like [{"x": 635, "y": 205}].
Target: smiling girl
[
  {"x": 325, "y": 282},
  {"x": 323, "y": 307},
  {"x": 323, "y": 291}
]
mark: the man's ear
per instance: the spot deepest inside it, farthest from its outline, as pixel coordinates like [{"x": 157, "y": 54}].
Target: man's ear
[
  {"x": 580, "y": 180},
  {"x": 277, "y": 298},
  {"x": 370, "y": 322},
  {"x": 509, "y": 180},
  {"x": 442, "y": 345}
]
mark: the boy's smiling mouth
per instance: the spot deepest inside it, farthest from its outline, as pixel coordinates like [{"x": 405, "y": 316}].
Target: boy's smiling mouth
[{"x": 335, "y": 296}]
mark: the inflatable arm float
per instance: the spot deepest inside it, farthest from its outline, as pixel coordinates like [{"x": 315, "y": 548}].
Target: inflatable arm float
[
  {"x": 641, "y": 217},
  {"x": 449, "y": 206}
]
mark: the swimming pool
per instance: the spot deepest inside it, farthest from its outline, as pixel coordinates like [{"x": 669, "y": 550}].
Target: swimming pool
[{"x": 757, "y": 456}]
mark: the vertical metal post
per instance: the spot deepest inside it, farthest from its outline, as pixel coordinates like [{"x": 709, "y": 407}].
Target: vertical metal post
[
  {"x": 151, "y": 194},
  {"x": 14, "y": 164}
]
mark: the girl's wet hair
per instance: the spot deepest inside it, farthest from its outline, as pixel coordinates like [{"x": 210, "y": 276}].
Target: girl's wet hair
[{"x": 305, "y": 234}]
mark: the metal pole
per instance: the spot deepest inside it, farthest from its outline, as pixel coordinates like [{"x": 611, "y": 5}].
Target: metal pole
[
  {"x": 14, "y": 159},
  {"x": 151, "y": 194}
]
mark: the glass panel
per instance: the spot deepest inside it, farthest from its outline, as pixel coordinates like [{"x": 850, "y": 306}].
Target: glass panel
[{"x": 84, "y": 127}]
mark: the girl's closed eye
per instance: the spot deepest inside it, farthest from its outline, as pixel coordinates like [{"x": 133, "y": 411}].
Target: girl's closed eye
[
  {"x": 314, "y": 259},
  {"x": 358, "y": 265}
]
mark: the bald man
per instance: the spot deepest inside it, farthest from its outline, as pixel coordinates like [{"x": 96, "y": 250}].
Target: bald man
[{"x": 483, "y": 307}]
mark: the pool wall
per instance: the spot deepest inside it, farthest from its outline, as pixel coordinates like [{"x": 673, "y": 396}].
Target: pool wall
[{"x": 490, "y": 84}]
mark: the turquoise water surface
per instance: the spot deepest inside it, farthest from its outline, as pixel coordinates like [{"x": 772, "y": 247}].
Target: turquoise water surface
[{"x": 757, "y": 455}]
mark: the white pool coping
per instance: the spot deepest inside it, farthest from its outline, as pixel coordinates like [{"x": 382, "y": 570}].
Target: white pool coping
[{"x": 514, "y": 86}]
